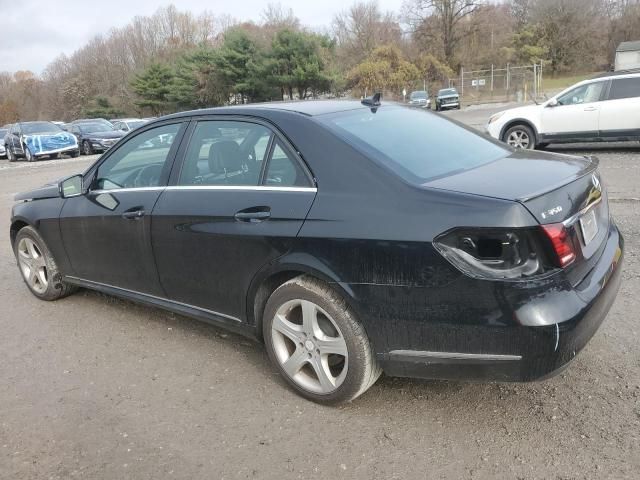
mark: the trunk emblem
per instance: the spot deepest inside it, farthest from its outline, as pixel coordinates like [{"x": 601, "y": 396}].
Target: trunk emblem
[{"x": 551, "y": 212}]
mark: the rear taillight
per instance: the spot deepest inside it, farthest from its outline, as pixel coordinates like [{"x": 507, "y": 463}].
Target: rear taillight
[
  {"x": 562, "y": 244},
  {"x": 496, "y": 253}
]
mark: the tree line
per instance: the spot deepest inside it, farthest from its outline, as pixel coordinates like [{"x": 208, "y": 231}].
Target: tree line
[{"x": 175, "y": 60}]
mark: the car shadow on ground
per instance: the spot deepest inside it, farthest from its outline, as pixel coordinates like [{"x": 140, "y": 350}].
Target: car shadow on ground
[{"x": 465, "y": 398}]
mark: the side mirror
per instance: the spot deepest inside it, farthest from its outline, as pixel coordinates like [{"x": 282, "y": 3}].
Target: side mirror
[
  {"x": 71, "y": 187},
  {"x": 553, "y": 103}
]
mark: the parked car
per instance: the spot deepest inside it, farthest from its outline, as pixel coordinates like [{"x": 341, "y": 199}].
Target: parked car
[
  {"x": 602, "y": 109},
  {"x": 324, "y": 229},
  {"x": 447, "y": 98},
  {"x": 95, "y": 137},
  {"x": 128, "y": 124},
  {"x": 92, "y": 120},
  {"x": 34, "y": 140},
  {"x": 420, "y": 98},
  {"x": 3, "y": 151}
]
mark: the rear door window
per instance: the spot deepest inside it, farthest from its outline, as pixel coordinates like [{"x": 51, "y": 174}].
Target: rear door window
[
  {"x": 284, "y": 170},
  {"x": 225, "y": 153},
  {"x": 624, "y": 88}
]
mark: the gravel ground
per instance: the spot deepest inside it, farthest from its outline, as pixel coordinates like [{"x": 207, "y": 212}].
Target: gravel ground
[{"x": 95, "y": 387}]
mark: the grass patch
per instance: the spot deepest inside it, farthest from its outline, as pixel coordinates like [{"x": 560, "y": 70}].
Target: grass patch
[{"x": 562, "y": 82}]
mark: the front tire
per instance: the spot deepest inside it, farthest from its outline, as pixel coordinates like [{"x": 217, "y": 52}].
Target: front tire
[
  {"x": 317, "y": 344},
  {"x": 10, "y": 155},
  {"x": 87, "y": 149},
  {"x": 28, "y": 155},
  {"x": 520, "y": 137},
  {"x": 75, "y": 153},
  {"x": 38, "y": 267}
]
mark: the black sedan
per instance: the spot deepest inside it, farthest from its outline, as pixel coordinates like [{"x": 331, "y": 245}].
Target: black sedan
[
  {"x": 95, "y": 137},
  {"x": 352, "y": 239}
]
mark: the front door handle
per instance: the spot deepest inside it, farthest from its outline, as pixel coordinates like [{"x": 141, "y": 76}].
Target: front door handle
[
  {"x": 133, "y": 214},
  {"x": 253, "y": 214},
  {"x": 590, "y": 109}
]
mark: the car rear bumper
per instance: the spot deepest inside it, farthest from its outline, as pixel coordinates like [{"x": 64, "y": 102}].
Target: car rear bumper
[{"x": 530, "y": 334}]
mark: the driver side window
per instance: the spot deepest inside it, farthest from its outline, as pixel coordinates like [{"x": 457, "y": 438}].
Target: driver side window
[
  {"x": 139, "y": 162},
  {"x": 584, "y": 94}
]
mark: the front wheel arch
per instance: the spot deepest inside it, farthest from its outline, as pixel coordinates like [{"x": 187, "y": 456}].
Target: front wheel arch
[
  {"x": 520, "y": 122},
  {"x": 16, "y": 226}
]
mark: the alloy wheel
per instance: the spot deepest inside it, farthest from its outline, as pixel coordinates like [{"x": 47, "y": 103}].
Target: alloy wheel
[
  {"x": 309, "y": 346},
  {"x": 519, "y": 139},
  {"x": 33, "y": 265}
]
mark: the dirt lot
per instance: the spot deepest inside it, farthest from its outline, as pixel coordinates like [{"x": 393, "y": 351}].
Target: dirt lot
[{"x": 94, "y": 387}]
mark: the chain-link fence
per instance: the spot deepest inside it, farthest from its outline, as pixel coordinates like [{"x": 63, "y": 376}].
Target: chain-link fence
[{"x": 508, "y": 84}]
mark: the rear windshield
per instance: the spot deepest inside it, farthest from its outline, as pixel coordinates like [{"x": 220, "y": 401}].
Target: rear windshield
[
  {"x": 39, "y": 127},
  {"x": 417, "y": 145}
]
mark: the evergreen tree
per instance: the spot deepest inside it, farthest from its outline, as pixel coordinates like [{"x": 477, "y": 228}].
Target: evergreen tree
[{"x": 154, "y": 86}]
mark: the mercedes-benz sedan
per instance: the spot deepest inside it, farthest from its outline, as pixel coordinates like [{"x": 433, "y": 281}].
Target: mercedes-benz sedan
[{"x": 352, "y": 239}]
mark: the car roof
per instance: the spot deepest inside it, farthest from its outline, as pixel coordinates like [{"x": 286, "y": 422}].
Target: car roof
[
  {"x": 90, "y": 120},
  {"x": 309, "y": 108},
  {"x": 619, "y": 73},
  {"x": 628, "y": 46}
]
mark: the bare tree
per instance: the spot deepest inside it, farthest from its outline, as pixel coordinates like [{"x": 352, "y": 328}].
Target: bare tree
[
  {"x": 275, "y": 16},
  {"x": 362, "y": 28},
  {"x": 441, "y": 20}
]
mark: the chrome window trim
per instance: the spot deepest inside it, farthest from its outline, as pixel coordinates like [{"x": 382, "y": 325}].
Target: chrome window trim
[
  {"x": 248, "y": 188},
  {"x": 90, "y": 282},
  {"x": 257, "y": 188},
  {"x": 131, "y": 189}
]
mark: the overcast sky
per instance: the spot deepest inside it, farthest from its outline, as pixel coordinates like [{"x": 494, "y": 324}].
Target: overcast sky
[{"x": 34, "y": 32}]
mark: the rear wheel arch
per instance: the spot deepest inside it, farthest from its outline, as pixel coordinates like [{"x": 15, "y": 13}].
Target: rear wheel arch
[{"x": 265, "y": 283}]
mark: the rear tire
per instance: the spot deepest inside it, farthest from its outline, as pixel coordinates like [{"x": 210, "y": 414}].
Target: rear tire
[
  {"x": 10, "y": 155},
  {"x": 38, "y": 267},
  {"x": 520, "y": 137},
  {"x": 75, "y": 153},
  {"x": 316, "y": 343}
]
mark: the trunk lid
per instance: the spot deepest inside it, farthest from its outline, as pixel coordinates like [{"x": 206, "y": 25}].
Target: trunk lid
[{"x": 554, "y": 188}]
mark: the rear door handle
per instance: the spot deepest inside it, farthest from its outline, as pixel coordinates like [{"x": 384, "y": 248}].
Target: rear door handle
[
  {"x": 590, "y": 109},
  {"x": 134, "y": 214},
  {"x": 253, "y": 214}
]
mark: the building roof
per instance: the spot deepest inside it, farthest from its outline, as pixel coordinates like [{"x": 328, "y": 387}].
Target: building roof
[{"x": 628, "y": 46}]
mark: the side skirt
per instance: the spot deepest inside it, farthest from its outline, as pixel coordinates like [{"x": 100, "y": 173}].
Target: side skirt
[{"x": 221, "y": 320}]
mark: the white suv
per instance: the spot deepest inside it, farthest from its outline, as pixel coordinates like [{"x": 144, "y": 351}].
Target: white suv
[{"x": 603, "y": 109}]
